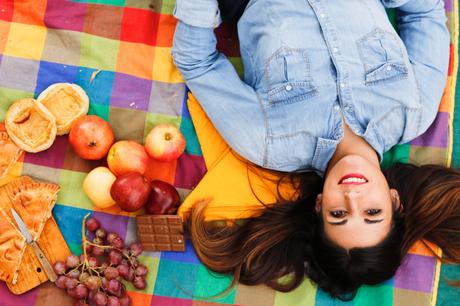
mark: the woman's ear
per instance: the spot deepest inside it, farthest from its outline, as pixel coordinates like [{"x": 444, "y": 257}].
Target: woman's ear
[
  {"x": 319, "y": 202},
  {"x": 396, "y": 201}
]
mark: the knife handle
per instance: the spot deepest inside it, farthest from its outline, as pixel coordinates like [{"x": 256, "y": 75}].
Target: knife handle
[{"x": 49, "y": 271}]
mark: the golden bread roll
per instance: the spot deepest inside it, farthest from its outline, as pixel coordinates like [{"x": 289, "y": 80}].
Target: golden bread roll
[
  {"x": 67, "y": 102},
  {"x": 30, "y": 125}
]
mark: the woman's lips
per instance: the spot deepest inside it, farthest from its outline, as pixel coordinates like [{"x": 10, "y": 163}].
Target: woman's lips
[{"x": 353, "y": 179}]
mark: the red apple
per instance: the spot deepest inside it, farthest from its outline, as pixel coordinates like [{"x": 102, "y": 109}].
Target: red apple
[
  {"x": 165, "y": 142},
  {"x": 127, "y": 156},
  {"x": 91, "y": 137},
  {"x": 130, "y": 191},
  {"x": 163, "y": 200}
]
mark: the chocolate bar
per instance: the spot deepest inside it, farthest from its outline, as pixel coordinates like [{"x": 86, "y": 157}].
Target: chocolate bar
[{"x": 161, "y": 232}]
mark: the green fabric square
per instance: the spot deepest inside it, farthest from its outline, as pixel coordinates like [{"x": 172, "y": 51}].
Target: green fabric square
[
  {"x": 143, "y": 4},
  {"x": 98, "y": 52},
  {"x": 75, "y": 248},
  {"x": 192, "y": 143},
  {"x": 379, "y": 295},
  {"x": 304, "y": 295},
  {"x": 127, "y": 124},
  {"x": 155, "y": 119},
  {"x": 176, "y": 279},
  {"x": 71, "y": 193},
  {"x": 152, "y": 264},
  {"x": 8, "y": 96},
  {"x": 209, "y": 284},
  {"x": 167, "y": 7},
  {"x": 398, "y": 153},
  {"x": 99, "y": 110},
  {"x": 448, "y": 294},
  {"x": 456, "y": 129},
  {"x": 108, "y": 2}
]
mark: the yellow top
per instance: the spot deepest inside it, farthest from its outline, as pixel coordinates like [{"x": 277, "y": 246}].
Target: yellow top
[{"x": 227, "y": 184}]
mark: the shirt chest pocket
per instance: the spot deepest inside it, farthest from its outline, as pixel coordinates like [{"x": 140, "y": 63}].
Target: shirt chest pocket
[
  {"x": 382, "y": 57},
  {"x": 288, "y": 76}
]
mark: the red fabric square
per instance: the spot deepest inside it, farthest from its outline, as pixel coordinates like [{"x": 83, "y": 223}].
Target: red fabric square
[
  {"x": 6, "y": 10},
  {"x": 140, "y": 25}
]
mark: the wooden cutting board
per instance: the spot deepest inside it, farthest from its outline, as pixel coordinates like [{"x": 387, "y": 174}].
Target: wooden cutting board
[{"x": 31, "y": 274}]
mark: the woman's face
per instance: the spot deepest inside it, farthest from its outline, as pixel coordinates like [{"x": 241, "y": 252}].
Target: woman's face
[{"x": 356, "y": 203}]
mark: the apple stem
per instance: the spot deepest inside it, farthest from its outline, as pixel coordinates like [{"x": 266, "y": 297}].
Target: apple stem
[
  {"x": 168, "y": 136},
  {"x": 92, "y": 143}
]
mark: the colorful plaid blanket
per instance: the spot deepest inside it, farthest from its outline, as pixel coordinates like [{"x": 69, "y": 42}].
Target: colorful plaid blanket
[{"x": 119, "y": 52}]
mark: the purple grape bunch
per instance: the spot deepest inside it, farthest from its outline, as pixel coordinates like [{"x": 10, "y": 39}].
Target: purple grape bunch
[{"x": 95, "y": 278}]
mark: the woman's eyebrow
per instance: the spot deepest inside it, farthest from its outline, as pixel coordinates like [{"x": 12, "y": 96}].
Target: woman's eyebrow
[
  {"x": 338, "y": 223},
  {"x": 373, "y": 221}
]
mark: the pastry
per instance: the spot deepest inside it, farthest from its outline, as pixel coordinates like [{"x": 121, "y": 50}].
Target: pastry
[
  {"x": 9, "y": 153},
  {"x": 30, "y": 125},
  {"x": 12, "y": 247},
  {"x": 33, "y": 201},
  {"x": 67, "y": 102}
]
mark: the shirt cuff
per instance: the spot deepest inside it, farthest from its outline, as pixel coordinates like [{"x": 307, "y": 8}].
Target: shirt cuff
[{"x": 198, "y": 13}]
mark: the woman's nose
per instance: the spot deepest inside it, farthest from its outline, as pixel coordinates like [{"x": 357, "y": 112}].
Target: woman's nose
[{"x": 351, "y": 193}]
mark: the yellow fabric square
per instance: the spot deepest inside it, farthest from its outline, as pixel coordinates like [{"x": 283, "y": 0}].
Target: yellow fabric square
[
  {"x": 164, "y": 69},
  {"x": 26, "y": 41}
]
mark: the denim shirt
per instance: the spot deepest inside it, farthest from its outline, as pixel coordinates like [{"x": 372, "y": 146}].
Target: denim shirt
[{"x": 309, "y": 65}]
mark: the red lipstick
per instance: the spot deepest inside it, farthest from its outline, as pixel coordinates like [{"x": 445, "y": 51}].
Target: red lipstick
[{"x": 354, "y": 175}]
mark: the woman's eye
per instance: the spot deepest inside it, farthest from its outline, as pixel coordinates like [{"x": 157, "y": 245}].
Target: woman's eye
[
  {"x": 338, "y": 213},
  {"x": 373, "y": 212}
]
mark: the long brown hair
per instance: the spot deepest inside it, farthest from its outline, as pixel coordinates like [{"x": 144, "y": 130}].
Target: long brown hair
[{"x": 287, "y": 238}]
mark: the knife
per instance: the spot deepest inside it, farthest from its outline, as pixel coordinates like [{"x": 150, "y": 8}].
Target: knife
[{"x": 38, "y": 252}]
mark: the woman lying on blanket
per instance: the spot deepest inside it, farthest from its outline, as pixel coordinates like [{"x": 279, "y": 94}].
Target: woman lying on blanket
[{"x": 328, "y": 86}]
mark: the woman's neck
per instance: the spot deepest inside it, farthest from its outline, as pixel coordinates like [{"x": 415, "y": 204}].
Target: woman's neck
[{"x": 353, "y": 144}]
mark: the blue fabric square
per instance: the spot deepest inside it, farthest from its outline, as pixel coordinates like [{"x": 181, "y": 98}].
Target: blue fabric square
[
  {"x": 187, "y": 256},
  {"x": 69, "y": 221},
  {"x": 176, "y": 279},
  {"x": 324, "y": 299},
  {"x": 97, "y": 84},
  {"x": 51, "y": 73}
]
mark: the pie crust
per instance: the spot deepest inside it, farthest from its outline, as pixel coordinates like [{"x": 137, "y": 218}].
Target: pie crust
[
  {"x": 30, "y": 125},
  {"x": 67, "y": 102},
  {"x": 9, "y": 154},
  {"x": 33, "y": 201}
]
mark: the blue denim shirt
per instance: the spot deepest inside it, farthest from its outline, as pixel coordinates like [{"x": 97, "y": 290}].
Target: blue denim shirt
[{"x": 310, "y": 63}]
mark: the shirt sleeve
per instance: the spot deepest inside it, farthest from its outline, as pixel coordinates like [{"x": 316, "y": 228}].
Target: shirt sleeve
[
  {"x": 422, "y": 27},
  {"x": 198, "y": 13},
  {"x": 232, "y": 106}
]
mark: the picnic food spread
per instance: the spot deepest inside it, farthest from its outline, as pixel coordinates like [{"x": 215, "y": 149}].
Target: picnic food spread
[{"x": 95, "y": 277}]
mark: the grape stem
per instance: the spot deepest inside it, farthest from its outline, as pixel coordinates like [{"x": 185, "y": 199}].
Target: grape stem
[{"x": 85, "y": 240}]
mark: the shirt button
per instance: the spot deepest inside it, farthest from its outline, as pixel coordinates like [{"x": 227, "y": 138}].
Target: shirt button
[
  {"x": 336, "y": 107},
  {"x": 343, "y": 85},
  {"x": 322, "y": 15},
  {"x": 389, "y": 68},
  {"x": 335, "y": 50},
  {"x": 288, "y": 87}
]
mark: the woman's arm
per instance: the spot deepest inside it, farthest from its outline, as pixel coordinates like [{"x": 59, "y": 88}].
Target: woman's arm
[
  {"x": 233, "y": 106},
  {"x": 422, "y": 27}
]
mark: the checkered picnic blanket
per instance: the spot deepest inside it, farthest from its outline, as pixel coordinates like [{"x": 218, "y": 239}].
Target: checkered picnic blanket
[{"x": 119, "y": 52}]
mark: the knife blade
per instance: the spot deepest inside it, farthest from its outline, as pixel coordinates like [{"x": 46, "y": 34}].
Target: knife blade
[{"x": 38, "y": 252}]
